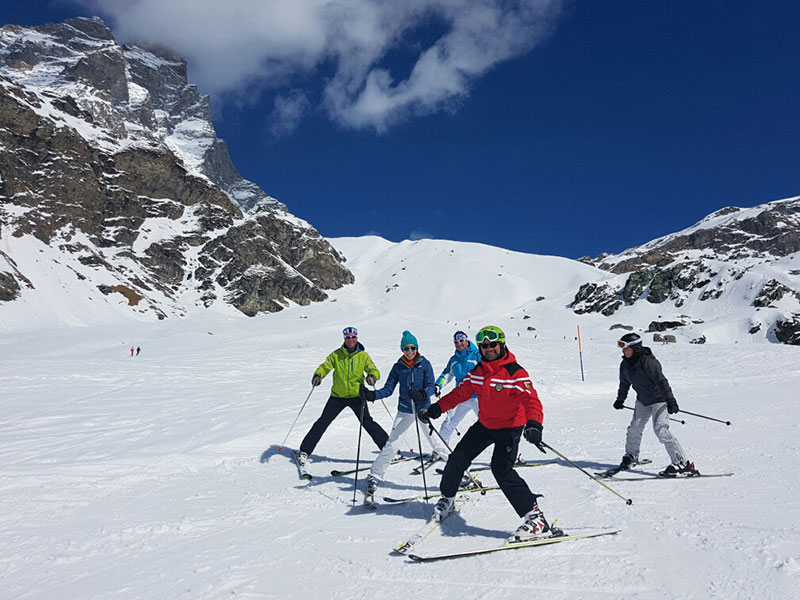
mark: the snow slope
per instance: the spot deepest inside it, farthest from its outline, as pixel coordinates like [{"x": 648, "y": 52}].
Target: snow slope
[{"x": 159, "y": 476}]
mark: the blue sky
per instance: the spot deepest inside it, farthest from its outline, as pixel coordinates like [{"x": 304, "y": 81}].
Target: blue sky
[{"x": 566, "y": 128}]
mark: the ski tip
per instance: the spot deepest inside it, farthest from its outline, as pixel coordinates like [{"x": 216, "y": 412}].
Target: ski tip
[{"x": 416, "y": 558}]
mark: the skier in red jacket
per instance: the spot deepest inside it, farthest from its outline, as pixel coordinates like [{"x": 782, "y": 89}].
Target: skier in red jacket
[{"x": 508, "y": 408}]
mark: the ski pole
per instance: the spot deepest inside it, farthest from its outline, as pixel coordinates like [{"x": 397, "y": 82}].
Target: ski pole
[
  {"x": 682, "y": 422},
  {"x": 628, "y": 501},
  {"x": 705, "y": 417},
  {"x": 280, "y": 448},
  {"x": 419, "y": 442},
  {"x": 358, "y": 450}
]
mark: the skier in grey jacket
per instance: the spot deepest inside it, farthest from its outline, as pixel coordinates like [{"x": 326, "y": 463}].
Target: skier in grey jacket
[{"x": 654, "y": 399}]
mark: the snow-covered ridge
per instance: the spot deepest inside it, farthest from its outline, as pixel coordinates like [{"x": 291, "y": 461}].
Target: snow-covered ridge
[
  {"x": 743, "y": 262},
  {"x": 111, "y": 169},
  {"x": 130, "y": 96}
]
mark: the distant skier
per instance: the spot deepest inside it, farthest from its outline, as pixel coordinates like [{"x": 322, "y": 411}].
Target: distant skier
[
  {"x": 132, "y": 350},
  {"x": 654, "y": 398},
  {"x": 464, "y": 359},
  {"x": 138, "y": 349},
  {"x": 414, "y": 375},
  {"x": 349, "y": 363},
  {"x": 509, "y": 409}
]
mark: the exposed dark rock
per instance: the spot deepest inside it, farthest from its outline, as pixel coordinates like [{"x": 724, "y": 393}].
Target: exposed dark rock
[
  {"x": 664, "y": 325},
  {"x": 664, "y": 339},
  {"x": 772, "y": 292},
  {"x": 787, "y": 330},
  {"x": 594, "y": 297}
]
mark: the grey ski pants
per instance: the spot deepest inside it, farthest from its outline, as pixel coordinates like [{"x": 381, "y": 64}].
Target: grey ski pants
[{"x": 658, "y": 412}]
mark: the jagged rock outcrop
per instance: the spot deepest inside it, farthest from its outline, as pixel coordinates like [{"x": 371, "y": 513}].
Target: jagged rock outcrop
[
  {"x": 787, "y": 330},
  {"x": 740, "y": 256},
  {"x": 109, "y": 156},
  {"x": 594, "y": 297}
]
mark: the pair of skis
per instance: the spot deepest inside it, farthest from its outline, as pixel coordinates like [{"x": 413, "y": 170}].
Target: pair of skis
[
  {"x": 517, "y": 465},
  {"x": 654, "y": 476},
  {"x": 558, "y": 537},
  {"x": 407, "y": 547},
  {"x": 427, "y": 463},
  {"x": 395, "y": 460},
  {"x": 302, "y": 471}
]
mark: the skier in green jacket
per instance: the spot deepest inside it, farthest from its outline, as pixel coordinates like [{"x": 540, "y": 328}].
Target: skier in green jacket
[{"x": 348, "y": 363}]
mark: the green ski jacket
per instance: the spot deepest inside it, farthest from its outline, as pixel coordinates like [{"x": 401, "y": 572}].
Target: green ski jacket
[{"x": 348, "y": 370}]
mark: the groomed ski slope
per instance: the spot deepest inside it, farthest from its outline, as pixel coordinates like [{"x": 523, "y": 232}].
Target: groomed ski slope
[{"x": 159, "y": 476}]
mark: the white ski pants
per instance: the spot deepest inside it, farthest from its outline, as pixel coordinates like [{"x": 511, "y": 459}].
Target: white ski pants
[
  {"x": 402, "y": 423},
  {"x": 660, "y": 416},
  {"x": 456, "y": 415}
]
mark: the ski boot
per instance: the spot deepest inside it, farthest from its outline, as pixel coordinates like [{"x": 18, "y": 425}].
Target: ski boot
[
  {"x": 681, "y": 469},
  {"x": 372, "y": 485},
  {"x": 628, "y": 461},
  {"x": 535, "y": 526},
  {"x": 443, "y": 508}
]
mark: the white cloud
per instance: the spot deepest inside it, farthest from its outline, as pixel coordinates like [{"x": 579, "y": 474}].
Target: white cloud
[
  {"x": 289, "y": 110},
  {"x": 239, "y": 46},
  {"x": 420, "y": 234}
]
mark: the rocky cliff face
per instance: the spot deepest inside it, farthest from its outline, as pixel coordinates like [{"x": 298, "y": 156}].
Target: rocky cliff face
[
  {"x": 109, "y": 157},
  {"x": 734, "y": 259}
]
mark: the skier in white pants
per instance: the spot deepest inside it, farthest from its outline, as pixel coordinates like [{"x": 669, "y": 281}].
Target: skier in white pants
[
  {"x": 654, "y": 399},
  {"x": 464, "y": 359},
  {"x": 414, "y": 374}
]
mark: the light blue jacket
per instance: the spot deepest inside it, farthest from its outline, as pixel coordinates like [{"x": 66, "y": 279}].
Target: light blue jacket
[
  {"x": 461, "y": 363},
  {"x": 418, "y": 377}
]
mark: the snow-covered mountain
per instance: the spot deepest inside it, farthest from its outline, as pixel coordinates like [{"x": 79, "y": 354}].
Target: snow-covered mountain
[
  {"x": 117, "y": 198},
  {"x": 118, "y": 201},
  {"x": 738, "y": 268}
]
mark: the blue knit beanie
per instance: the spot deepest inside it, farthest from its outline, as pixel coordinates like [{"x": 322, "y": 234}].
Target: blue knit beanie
[{"x": 408, "y": 338}]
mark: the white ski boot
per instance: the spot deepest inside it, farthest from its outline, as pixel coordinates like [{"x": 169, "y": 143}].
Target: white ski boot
[
  {"x": 534, "y": 526},
  {"x": 443, "y": 508}
]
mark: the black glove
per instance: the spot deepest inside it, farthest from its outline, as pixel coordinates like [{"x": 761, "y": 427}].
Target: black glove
[
  {"x": 672, "y": 407},
  {"x": 366, "y": 395},
  {"x": 619, "y": 404},
  {"x": 533, "y": 434},
  {"x": 370, "y": 380},
  {"x": 316, "y": 380},
  {"x": 417, "y": 395},
  {"x": 434, "y": 411}
]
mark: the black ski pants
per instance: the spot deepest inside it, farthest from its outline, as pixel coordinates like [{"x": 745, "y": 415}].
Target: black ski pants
[
  {"x": 332, "y": 409},
  {"x": 506, "y": 445}
]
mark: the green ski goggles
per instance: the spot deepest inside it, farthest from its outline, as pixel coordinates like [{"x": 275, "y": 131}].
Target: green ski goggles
[{"x": 490, "y": 335}]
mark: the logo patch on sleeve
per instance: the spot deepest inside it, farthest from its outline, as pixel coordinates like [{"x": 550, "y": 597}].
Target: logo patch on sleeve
[
  {"x": 528, "y": 385},
  {"x": 498, "y": 387}
]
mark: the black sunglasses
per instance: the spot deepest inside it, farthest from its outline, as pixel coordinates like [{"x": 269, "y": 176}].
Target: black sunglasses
[
  {"x": 486, "y": 345},
  {"x": 407, "y": 348}
]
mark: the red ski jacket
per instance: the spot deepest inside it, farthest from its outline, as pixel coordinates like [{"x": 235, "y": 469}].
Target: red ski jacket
[{"x": 506, "y": 396}]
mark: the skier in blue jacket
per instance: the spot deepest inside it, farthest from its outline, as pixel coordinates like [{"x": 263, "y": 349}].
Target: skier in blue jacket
[
  {"x": 464, "y": 359},
  {"x": 414, "y": 374}
]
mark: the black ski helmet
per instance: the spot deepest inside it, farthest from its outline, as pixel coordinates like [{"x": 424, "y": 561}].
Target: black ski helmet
[{"x": 629, "y": 340}]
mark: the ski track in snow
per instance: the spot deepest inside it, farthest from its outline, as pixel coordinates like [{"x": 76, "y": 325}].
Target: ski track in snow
[{"x": 159, "y": 476}]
